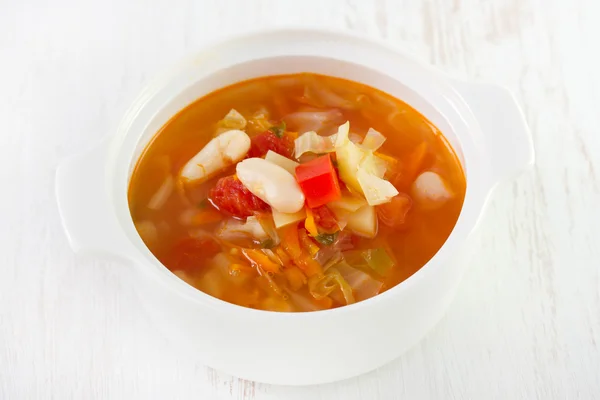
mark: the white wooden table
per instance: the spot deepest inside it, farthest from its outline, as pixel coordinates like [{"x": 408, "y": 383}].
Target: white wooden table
[{"x": 526, "y": 321}]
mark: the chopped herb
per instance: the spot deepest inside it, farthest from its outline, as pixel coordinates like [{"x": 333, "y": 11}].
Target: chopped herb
[
  {"x": 267, "y": 244},
  {"x": 326, "y": 239},
  {"x": 278, "y": 130},
  {"x": 203, "y": 203}
]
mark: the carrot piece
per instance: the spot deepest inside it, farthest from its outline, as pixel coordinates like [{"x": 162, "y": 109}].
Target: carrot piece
[
  {"x": 293, "y": 135},
  {"x": 206, "y": 216},
  {"x": 258, "y": 258},
  {"x": 291, "y": 244},
  {"x": 413, "y": 165},
  {"x": 389, "y": 160},
  {"x": 295, "y": 278},
  {"x": 290, "y": 241},
  {"x": 309, "y": 266},
  {"x": 238, "y": 268},
  {"x": 393, "y": 166},
  {"x": 310, "y": 224},
  {"x": 285, "y": 259},
  {"x": 308, "y": 244}
]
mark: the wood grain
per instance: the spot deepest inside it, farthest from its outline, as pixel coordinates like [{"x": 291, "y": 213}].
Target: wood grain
[{"x": 526, "y": 321}]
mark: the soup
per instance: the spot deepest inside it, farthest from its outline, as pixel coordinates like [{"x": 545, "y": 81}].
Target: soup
[{"x": 296, "y": 193}]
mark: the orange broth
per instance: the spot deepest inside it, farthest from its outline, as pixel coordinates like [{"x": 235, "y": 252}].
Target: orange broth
[{"x": 180, "y": 230}]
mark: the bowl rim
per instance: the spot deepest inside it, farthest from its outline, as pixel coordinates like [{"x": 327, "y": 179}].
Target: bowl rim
[{"x": 477, "y": 189}]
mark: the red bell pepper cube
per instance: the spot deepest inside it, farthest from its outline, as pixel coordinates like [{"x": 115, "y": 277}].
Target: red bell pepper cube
[{"x": 319, "y": 182}]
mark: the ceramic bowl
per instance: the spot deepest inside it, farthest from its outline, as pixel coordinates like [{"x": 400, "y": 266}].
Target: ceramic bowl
[{"x": 482, "y": 122}]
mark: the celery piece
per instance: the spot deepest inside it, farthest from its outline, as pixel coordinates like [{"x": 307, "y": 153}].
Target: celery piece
[{"x": 379, "y": 260}]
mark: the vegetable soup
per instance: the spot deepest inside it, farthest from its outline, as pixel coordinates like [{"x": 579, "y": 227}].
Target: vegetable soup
[{"x": 296, "y": 193}]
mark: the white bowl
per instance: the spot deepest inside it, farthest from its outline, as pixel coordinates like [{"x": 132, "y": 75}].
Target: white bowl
[{"x": 482, "y": 122}]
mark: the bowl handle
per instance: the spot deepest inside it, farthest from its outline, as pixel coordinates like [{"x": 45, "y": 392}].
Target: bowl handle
[
  {"x": 84, "y": 204},
  {"x": 505, "y": 132}
]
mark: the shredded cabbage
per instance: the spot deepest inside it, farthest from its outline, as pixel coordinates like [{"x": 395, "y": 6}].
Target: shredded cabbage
[
  {"x": 349, "y": 157},
  {"x": 376, "y": 190},
  {"x": 363, "y": 285},
  {"x": 373, "y": 140},
  {"x": 258, "y": 122},
  {"x": 268, "y": 225},
  {"x": 342, "y": 134},
  {"x": 283, "y": 219},
  {"x": 318, "y": 95},
  {"x": 233, "y": 229},
  {"x": 317, "y": 120},
  {"x": 311, "y": 142},
  {"x": 160, "y": 197},
  {"x": 283, "y": 162},
  {"x": 361, "y": 169},
  {"x": 373, "y": 165},
  {"x": 303, "y": 302},
  {"x": 321, "y": 286},
  {"x": 347, "y": 203},
  {"x": 233, "y": 120},
  {"x": 355, "y": 138}
]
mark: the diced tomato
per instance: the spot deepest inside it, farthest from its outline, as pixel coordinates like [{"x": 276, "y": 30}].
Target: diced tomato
[
  {"x": 191, "y": 253},
  {"x": 393, "y": 214},
  {"x": 325, "y": 218},
  {"x": 355, "y": 240},
  {"x": 261, "y": 144},
  {"x": 319, "y": 182},
  {"x": 231, "y": 196}
]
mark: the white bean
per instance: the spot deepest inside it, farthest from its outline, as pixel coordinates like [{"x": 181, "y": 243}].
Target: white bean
[
  {"x": 430, "y": 190},
  {"x": 272, "y": 184},
  {"x": 221, "y": 152}
]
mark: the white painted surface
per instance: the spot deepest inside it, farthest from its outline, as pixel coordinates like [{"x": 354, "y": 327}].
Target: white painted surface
[{"x": 526, "y": 320}]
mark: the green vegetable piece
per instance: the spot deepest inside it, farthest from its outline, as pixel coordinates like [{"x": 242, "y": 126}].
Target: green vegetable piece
[
  {"x": 267, "y": 243},
  {"x": 326, "y": 239},
  {"x": 379, "y": 260},
  {"x": 278, "y": 130}
]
